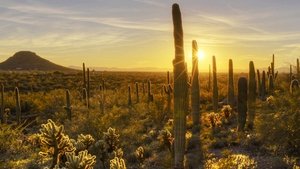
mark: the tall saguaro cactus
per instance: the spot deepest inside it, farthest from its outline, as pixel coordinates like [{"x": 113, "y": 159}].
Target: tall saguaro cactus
[
  {"x": 263, "y": 86},
  {"x": 209, "y": 78},
  {"x": 258, "y": 82},
  {"x": 85, "y": 98},
  {"x": 180, "y": 90},
  {"x": 271, "y": 84},
  {"x": 251, "y": 95},
  {"x": 129, "y": 96},
  {"x": 291, "y": 73},
  {"x": 230, "y": 84},
  {"x": 18, "y": 105},
  {"x": 68, "y": 106},
  {"x": 215, "y": 98},
  {"x": 137, "y": 92},
  {"x": 242, "y": 103},
  {"x": 298, "y": 69},
  {"x": 273, "y": 66},
  {"x": 150, "y": 95},
  {"x": 195, "y": 90}
]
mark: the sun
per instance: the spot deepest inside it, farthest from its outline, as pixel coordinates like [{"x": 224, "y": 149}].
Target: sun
[{"x": 201, "y": 54}]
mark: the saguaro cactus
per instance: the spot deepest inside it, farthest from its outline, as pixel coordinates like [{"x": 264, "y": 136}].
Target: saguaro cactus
[
  {"x": 273, "y": 66},
  {"x": 168, "y": 90},
  {"x": 258, "y": 82},
  {"x": 215, "y": 98},
  {"x": 294, "y": 86},
  {"x": 291, "y": 73},
  {"x": 180, "y": 90},
  {"x": 2, "y": 103},
  {"x": 83, "y": 73},
  {"x": 88, "y": 86},
  {"x": 271, "y": 84},
  {"x": 150, "y": 95},
  {"x": 137, "y": 92},
  {"x": 298, "y": 69},
  {"x": 129, "y": 96},
  {"x": 230, "y": 84},
  {"x": 251, "y": 95},
  {"x": 209, "y": 78},
  {"x": 242, "y": 103},
  {"x": 68, "y": 106},
  {"x": 18, "y": 105},
  {"x": 85, "y": 98},
  {"x": 263, "y": 86},
  {"x": 195, "y": 90}
]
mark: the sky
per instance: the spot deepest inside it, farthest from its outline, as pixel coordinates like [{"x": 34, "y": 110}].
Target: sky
[{"x": 139, "y": 33}]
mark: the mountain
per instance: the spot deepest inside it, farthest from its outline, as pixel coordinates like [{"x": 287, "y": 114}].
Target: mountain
[{"x": 26, "y": 60}]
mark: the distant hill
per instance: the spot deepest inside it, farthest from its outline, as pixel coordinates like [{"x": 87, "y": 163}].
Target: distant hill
[{"x": 26, "y": 60}]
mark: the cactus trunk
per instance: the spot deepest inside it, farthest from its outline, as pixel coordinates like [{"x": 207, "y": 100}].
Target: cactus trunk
[
  {"x": 258, "y": 83},
  {"x": 129, "y": 96},
  {"x": 251, "y": 95},
  {"x": 168, "y": 90},
  {"x": 2, "y": 104},
  {"x": 85, "y": 98},
  {"x": 180, "y": 90},
  {"x": 150, "y": 95},
  {"x": 230, "y": 85},
  {"x": 68, "y": 106},
  {"x": 84, "y": 77},
  {"x": 209, "y": 78},
  {"x": 271, "y": 84},
  {"x": 298, "y": 69},
  {"x": 215, "y": 98},
  {"x": 137, "y": 92},
  {"x": 18, "y": 105},
  {"x": 195, "y": 91},
  {"x": 88, "y": 87},
  {"x": 291, "y": 73},
  {"x": 242, "y": 103},
  {"x": 263, "y": 86}
]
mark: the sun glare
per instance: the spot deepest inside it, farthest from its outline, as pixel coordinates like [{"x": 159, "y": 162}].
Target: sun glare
[{"x": 201, "y": 54}]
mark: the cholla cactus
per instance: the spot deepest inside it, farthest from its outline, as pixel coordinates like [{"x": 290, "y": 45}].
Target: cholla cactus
[
  {"x": 56, "y": 142},
  {"x": 84, "y": 160},
  {"x": 139, "y": 154},
  {"x": 87, "y": 140},
  {"x": 119, "y": 153},
  {"x": 166, "y": 138},
  {"x": 5, "y": 115},
  {"x": 111, "y": 138},
  {"x": 117, "y": 163}
]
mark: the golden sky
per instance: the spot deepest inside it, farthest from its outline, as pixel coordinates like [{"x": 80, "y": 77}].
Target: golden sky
[{"x": 138, "y": 33}]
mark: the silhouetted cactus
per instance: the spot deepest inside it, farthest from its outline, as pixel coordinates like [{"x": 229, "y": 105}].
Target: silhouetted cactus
[
  {"x": 251, "y": 95},
  {"x": 84, "y": 78},
  {"x": 150, "y": 95},
  {"x": 2, "y": 103},
  {"x": 129, "y": 96},
  {"x": 230, "y": 84},
  {"x": 168, "y": 90},
  {"x": 55, "y": 141},
  {"x": 195, "y": 88},
  {"x": 68, "y": 106},
  {"x": 294, "y": 86},
  {"x": 137, "y": 92},
  {"x": 85, "y": 98},
  {"x": 144, "y": 89},
  {"x": 215, "y": 98},
  {"x": 298, "y": 69},
  {"x": 291, "y": 73},
  {"x": 258, "y": 83},
  {"x": 88, "y": 87},
  {"x": 271, "y": 84},
  {"x": 18, "y": 105},
  {"x": 180, "y": 90},
  {"x": 263, "y": 86},
  {"x": 84, "y": 160},
  {"x": 209, "y": 78},
  {"x": 273, "y": 66},
  {"x": 242, "y": 103}
]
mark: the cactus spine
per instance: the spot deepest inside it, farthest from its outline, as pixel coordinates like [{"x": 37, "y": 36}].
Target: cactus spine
[
  {"x": 137, "y": 92},
  {"x": 168, "y": 90},
  {"x": 129, "y": 96},
  {"x": 251, "y": 95},
  {"x": 2, "y": 103},
  {"x": 242, "y": 103},
  {"x": 150, "y": 95},
  {"x": 230, "y": 85},
  {"x": 195, "y": 92},
  {"x": 18, "y": 105},
  {"x": 215, "y": 85},
  {"x": 68, "y": 106},
  {"x": 180, "y": 90}
]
